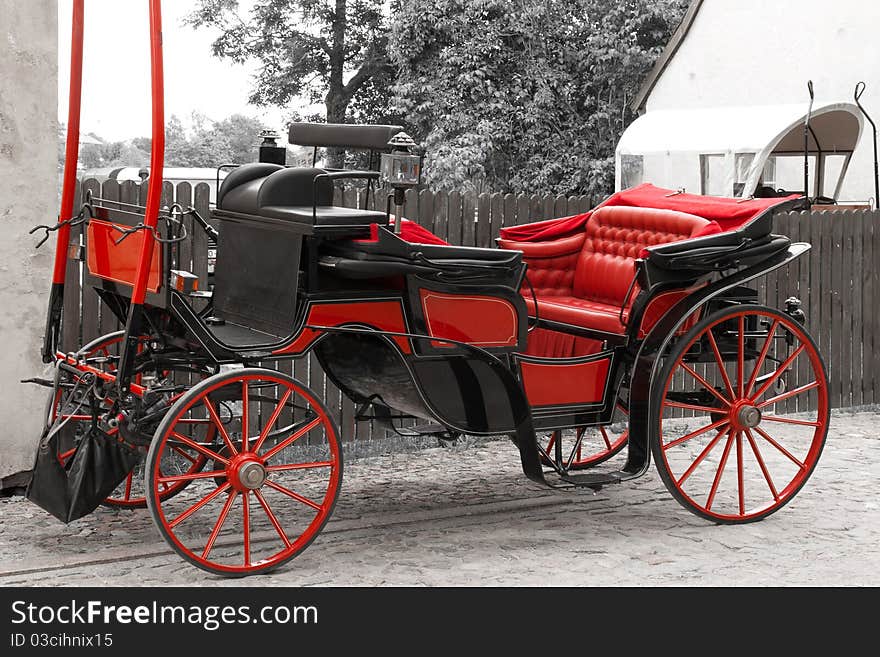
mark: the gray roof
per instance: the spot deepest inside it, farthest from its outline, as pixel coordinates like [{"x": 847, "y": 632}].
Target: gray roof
[{"x": 666, "y": 56}]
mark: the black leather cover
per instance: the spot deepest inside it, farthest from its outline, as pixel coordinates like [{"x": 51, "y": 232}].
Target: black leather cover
[
  {"x": 339, "y": 135},
  {"x": 268, "y": 190}
]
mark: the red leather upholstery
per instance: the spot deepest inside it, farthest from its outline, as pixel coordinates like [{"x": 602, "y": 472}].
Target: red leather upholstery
[
  {"x": 587, "y": 288},
  {"x": 551, "y": 264}
]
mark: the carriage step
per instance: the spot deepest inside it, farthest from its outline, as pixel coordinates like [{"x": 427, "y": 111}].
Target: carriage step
[
  {"x": 594, "y": 480},
  {"x": 421, "y": 430}
]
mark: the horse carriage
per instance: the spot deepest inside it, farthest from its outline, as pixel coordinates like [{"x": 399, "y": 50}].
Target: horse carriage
[{"x": 631, "y": 326}]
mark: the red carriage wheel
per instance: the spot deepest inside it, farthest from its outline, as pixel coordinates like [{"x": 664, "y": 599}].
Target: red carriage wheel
[
  {"x": 275, "y": 474},
  {"x": 584, "y": 447},
  {"x": 721, "y": 441},
  {"x": 103, "y": 353}
]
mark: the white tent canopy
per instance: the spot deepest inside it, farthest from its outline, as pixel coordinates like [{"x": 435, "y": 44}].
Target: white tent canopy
[{"x": 725, "y": 151}]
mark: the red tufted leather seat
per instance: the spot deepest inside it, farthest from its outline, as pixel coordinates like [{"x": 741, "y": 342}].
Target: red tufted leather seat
[{"x": 582, "y": 280}]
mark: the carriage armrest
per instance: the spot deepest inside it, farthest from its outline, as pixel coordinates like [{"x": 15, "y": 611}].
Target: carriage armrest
[{"x": 548, "y": 249}]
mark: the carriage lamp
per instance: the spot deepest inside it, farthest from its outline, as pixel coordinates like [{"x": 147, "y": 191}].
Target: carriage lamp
[
  {"x": 270, "y": 151},
  {"x": 401, "y": 170}
]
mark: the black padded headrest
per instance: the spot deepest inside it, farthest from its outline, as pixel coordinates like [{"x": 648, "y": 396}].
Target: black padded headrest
[{"x": 341, "y": 135}]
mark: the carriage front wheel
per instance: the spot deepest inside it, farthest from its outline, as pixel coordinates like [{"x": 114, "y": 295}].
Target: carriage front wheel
[
  {"x": 740, "y": 415},
  {"x": 273, "y": 475}
]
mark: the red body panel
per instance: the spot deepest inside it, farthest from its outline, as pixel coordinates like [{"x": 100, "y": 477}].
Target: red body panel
[
  {"x": 557, "y": 384},
  {"x": 119, "y": 262},
  {"x": 481, "y": 321},
  {"x": 381, "y": 315}
]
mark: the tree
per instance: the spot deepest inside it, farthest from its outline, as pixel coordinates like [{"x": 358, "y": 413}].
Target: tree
[
  {"x": 327, "y": 50},
  {"x": 209, "y": 144},
  {"x": 525, "y": 96}
]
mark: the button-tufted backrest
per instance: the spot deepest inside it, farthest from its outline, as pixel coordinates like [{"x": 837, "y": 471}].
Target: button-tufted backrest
[
  {"x": 551, "y": 264},
  {"x": 615, "y": 235}
]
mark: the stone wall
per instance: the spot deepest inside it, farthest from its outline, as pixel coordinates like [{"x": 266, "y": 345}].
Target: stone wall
[{"x": 28, "y": 193}]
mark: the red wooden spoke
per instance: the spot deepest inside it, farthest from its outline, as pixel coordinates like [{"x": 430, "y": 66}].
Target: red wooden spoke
[
  {"x": 768, "y": 342},
  {"x": 81, "y": 418},
  {"x": 719, "y": 472},
  {"x": 692, "y": 407},
  {"x": 779, "y": 372},
  {"x": 272, "y": 518},
  {"x": 757, "y": 454},
  {"x": 198, "y": 505},
  {"x": 272, "y": 420},
  {"x": 128, "y": 481},
  {"x": 702, "y": 455},
  {"x": 292, "y": 439},
  {"x": 623, "y": 409},
  {"x": 183, "y": 453},
  {"x": 244, "y": 420},
  {"x": 720, "y": 362},
  {"x": 296, "y": 496},
  {"x": 211, "y": 454},
  {"x": 739, "y": 473},
  {"x": 246, "y": 528},
  {"x": 604, "y": 437},
  {"x": 552, "y": 440},
  {"x": 215, "y": 418},
  {"x": 788, "y": 420},
  {"x": 218, "y": 526},
  {"x": 698, "y": 432},
  {"x": 708, "y": 386},
  {"x": 740, "y": 363},
  {"x": 299, "y": 466},
  {"x": 782, "y": 449},
  {"x": 789, "y": 394},
  {"x": 191, "y": 476}
]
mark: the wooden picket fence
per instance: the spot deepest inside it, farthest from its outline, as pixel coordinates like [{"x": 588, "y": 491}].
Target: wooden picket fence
[{"x": 838, "y": 281}]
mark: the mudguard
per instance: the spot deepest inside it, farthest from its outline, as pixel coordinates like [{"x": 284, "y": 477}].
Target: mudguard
[{"x": 643, "y": 404}]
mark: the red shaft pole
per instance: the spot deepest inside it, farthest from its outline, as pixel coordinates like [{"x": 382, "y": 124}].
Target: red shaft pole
[
  {"x": 71, "y": 157},
  {"x": 157, "y": 156}
]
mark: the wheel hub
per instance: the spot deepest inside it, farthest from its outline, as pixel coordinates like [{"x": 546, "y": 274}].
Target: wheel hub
[
  {"x": 746, "y": 416},
  {"x": 247, "y": 472}
]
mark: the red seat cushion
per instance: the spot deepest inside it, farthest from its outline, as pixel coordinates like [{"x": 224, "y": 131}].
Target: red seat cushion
[
  {"x": 582, "y": 280},
  {"x": 578, "y": 312}
]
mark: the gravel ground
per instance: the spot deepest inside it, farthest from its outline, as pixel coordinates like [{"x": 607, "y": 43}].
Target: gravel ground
[{"x": 467, "y": 516}]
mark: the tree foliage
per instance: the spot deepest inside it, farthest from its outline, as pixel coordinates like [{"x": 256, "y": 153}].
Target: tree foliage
[
  {"x": 529, "y": 95},
  {"x": 330, "y": 51}
]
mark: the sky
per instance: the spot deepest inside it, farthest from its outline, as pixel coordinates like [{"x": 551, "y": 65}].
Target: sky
[{"x": 116, "y": 70}]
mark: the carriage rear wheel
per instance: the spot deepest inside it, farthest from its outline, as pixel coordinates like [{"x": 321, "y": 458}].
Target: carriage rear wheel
[
  {"x": 740, "y": 415},
  {"x": 275, "y": 474},
  {"x": 103, "y": 353},
  {"x": 584, "y": 447}
]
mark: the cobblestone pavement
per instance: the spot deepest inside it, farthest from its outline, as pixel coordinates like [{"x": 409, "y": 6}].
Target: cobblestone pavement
[{"x": 467, "y": 516}]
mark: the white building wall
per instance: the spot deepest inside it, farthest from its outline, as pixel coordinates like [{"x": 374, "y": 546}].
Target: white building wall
[
  {"x": 28, "y": 193},
  {"x": 762, "y": 52}
]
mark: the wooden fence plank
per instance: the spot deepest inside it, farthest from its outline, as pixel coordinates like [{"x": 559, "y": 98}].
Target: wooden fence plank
[
  {"x": 837, "y": 373},
  {"x": 483, "y": 226},
  {"x": 852, "y": 228},
  {"x": 523, "y": 207},
  {"x": 468, "y": 219},
  {"x": 874, "y": 265},
  {"x": 202, "y": 203},
  {"x": 426, "y": 209},
  {"x": 869, "y": 315},
  {"x": 560, "y": 206},
  {"x": 454, "y": 218},
  {"x": 441, "y": 210}
]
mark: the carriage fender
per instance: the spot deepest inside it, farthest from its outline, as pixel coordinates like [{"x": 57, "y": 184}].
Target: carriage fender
[{"x": 643, "y": 402}]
